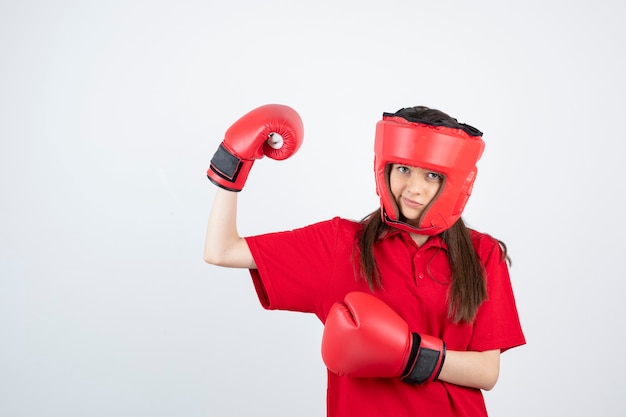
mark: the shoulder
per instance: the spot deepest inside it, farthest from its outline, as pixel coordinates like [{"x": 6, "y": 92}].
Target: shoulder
[
  {"x": 323, "y": 239},
  {"x": 346, "y": 224},
  {"x": 337, "y": 232},
  {"x": 331, "y": 229},
  {"x": 485, "y": 244},
  {"x": 343, "y": 229},
  {"x": 337, "y": 223}
]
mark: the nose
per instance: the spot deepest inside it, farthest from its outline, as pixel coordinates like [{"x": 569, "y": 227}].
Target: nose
[{"x": 415, "y": 184}]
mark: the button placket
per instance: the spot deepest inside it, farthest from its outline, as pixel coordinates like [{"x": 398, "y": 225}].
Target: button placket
[{"x": 418, "y": 275}]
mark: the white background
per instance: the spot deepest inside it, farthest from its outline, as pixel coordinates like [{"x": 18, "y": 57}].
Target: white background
[{"x": 111, "y": 110}]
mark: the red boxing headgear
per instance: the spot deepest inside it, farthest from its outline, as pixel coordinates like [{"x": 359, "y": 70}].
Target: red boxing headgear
[{"x": 452, "y": 152}]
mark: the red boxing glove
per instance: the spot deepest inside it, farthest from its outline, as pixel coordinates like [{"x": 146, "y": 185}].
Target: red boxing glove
[
  {"x": 364, "y": 337},
  {"x": 273, "y": 130}
]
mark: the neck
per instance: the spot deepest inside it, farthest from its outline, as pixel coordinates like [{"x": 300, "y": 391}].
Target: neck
[{"x": 419, "y": 239}]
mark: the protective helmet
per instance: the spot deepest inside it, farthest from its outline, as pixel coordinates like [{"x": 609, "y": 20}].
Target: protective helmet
[{"x": 452, "y": 152}]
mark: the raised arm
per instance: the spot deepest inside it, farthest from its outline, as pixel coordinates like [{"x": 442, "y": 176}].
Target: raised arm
[
  {"x": 223, "y": 246},
  {"x": 273, "y": 130}
]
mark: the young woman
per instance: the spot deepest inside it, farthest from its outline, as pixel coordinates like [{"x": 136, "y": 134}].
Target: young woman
[{"x": 417, "y": 308}]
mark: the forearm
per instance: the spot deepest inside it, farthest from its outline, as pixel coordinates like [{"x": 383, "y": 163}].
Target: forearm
[
  {"x": 471, "y": 369},
  {"x": 273, "y": 130},
  {"x": 223, "y": 246}
]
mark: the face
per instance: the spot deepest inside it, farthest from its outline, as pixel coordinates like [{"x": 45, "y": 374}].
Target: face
[{"x": 413, "y": 188}]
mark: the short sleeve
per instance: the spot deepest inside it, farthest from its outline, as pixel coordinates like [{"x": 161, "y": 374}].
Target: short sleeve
[
  {"x": 497, "y": 324},
  {"x": 293, "y": 267}
]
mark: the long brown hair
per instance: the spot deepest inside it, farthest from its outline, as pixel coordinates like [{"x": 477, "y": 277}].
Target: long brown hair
[{"x": 468, "y": 288}]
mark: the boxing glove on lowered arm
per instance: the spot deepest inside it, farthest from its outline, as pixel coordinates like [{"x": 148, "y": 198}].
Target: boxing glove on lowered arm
[{"x": 364, "y": 337}]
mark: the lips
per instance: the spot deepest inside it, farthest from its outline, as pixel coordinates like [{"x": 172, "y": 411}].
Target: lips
[{"x": 411, "y": 203}]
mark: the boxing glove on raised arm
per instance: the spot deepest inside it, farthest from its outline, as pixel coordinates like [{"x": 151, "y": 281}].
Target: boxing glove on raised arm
[
  {"x": 364, "y": 337},
  {"x": 274, "y": 130}
]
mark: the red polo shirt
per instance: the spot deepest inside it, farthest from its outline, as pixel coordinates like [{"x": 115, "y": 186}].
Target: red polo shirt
[{"x": 309, "y": 269}]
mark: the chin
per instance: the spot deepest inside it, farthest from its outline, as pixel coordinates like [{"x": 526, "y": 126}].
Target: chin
[{"x": 411, "y": 221}]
